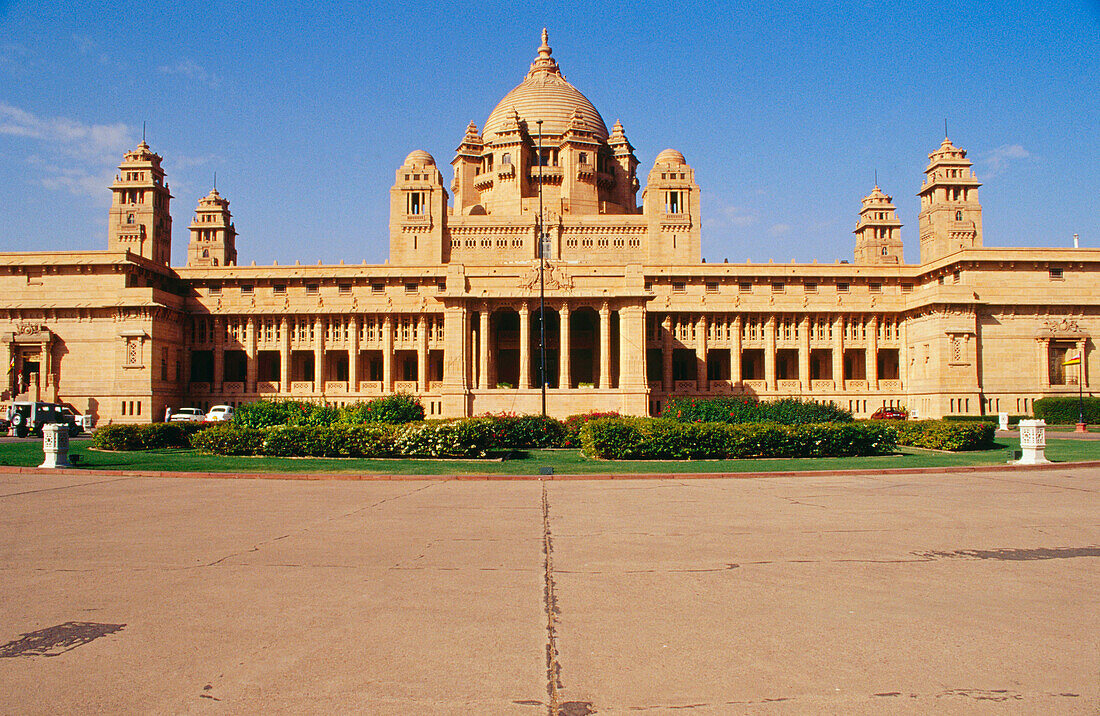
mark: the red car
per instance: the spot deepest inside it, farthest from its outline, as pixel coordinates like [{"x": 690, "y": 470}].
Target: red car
[{"x": 890, "y": 414}]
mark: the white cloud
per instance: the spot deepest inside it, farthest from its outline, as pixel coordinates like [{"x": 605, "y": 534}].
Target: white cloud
[
  {"x": 729, "y": 216},
  {"x": 779, "y": 229},
  {"x": 193, "y": 71},
  {"x": 68, "y": 154},
  {"x": 996, "y": 161}
]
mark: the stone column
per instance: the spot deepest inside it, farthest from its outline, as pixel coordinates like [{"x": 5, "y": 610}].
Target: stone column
[
  {"x": 318, "y": 355},
  {"x": 666, "y": 353},
  {"x": 353, "y": 355},
  {"x": 735, "y": 352},
  {"x": 632, "y": 352},
  {"x": 483, "y": 349},
  {"x": 1043, "y": 346},
  {"x": 903, "y": 353},
  {"x": 250, "y": 347},
  {"x": 284, "y": 356},
  {"x": 872, "y": 354},
  {"x": 769, "y": 353},
  {"x": 804, "y": 352},
  {"x": 219, "y": 355},
  {"x": 565, "y": 358},
  {"x": 838, "y": 353},
  {"x": 387, "y": 353},
  {"x": 605, "y": 346},
  {"x": 524, "y": 347},
  {"x": 422, "y": 354},
  {"x": 701, "y": 381}
]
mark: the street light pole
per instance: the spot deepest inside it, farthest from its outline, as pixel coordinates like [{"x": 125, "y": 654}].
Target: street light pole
[{"x": 542, "y": 283}]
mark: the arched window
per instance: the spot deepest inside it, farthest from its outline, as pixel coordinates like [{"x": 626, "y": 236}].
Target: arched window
[
  {"x": 129, "y": 218},
  {"x": 215, "y": 262},
  {"x": 584, "y": 158},
  {"x": 884, "y": 252},
  {"x": 506, "y": 158},
  {"x": 206, "y": 253},
  {"x": 958, "y": 216}
]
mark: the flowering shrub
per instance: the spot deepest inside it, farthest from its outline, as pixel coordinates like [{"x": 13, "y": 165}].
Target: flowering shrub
[
  {"x": 395, "y": 409},
  {"x": 656, "y": 438},
  {"x": 228, "y": 439},
  {"x": 945, "y": 434},
  {"x": 747, "y": 409},
  {"x": 400, "y": 408},
  {"x": 298, "y": 440},
  {"x": 574, "y": 423},
  {"x": 459, "y": 438}
]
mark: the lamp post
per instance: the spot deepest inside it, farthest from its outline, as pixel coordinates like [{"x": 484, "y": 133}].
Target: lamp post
[{"x": 542, "y": 283}]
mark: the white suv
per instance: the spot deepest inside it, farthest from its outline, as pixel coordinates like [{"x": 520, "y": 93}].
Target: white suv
[{"x": 219, "y": 413}]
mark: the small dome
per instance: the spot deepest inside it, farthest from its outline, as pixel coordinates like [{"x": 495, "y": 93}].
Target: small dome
[
  {"x": 670, "y": 156},
  {"x": 420, "y": 157}
]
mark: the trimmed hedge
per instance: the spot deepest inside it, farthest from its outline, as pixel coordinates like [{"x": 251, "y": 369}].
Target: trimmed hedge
[
  {"x": 145, "y": 437},
  {"x": 524, "y": 431},
  {"x": 742, "y": 409},
  {"x": 1063, "y": 410},
  {"x": 574, "y": 423},
  {"x": 945, "y": 434},
  {"x": 459, "y": 438},
  {"x": 663, "y": 439},
  {"x": 394, "y": 409}
]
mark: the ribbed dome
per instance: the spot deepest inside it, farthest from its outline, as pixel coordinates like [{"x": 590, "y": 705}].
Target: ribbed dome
[
  {"x": 670, "y": 156},
  {"x": 544, "y": 94},
  {"x": 419, "y": 156}
]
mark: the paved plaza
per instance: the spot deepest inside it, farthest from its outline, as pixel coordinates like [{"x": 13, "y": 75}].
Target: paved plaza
[{"x": 944, "y": 593}]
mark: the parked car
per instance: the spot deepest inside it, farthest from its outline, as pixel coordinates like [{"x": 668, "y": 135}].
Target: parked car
[
  {"x": 82, "y": 423},
  {"x": 219, "y": 413},
  {"x": 187, "y": 415},
  {"x": 890, "y": 414},
  {"x": 27, "y": 418}
]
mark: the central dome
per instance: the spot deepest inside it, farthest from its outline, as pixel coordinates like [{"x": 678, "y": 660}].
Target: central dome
[{"x": 544, "y": 94}]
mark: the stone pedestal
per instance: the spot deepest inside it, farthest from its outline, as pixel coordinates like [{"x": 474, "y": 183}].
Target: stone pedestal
[
  {"x": 1002, "y": 421},
  {"x": 1033, "y": 442},
  {"x": 55, "y": 445}
]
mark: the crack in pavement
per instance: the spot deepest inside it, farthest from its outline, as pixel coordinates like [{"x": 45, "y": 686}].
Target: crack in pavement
[
  {"x": 67, "y": 487},
  {"x": 259, "y": 545}
]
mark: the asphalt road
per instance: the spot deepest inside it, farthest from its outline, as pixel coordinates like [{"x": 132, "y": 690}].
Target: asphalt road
[{"x": 963, "y": 593}]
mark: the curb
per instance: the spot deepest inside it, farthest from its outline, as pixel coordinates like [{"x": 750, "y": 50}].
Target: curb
[{"x": 378, "y": 477}]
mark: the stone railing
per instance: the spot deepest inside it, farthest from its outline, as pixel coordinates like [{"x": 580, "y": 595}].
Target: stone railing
[
  {"x": 855, "y": 385},
  {"x": 336, "y": 386},
  {"x": 404, "y": 386},
  {"x": 301, "y": 386},
  {"x": 233, "y": 387},
  {"x": 200, "y": 387},
  {"x": 370, "y": 386},
  {"x": 755, "y": 386},
  {"x": 656, "y": 386},
  {"x": 267, "y": 386},
  {"x": 685, "y": 386},
  {"x": 789, "y": 386},
  {"x": 721, "y": 386},
  {"x": 821, "y": 385},
  {"x": 889, "y": 385}
]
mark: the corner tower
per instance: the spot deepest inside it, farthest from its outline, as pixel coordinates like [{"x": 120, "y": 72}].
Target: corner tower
[
  {"x": 950, "y": 216},
  {"x": 213, "y": 236},
  {"x": 140, "y": 221},
  {"x": 878, "y": 233},
  {"x": 418, "y": 206},
  {"x": 670, "y": 203}
]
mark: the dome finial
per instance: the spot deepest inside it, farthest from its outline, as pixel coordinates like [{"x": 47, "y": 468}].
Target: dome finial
[{"x": 544, "y": 62}]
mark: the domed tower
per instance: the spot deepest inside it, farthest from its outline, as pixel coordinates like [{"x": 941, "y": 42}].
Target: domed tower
[
  {"x": 878, "y": 233},
  {"x": 582, "y": 172},
  {"x": 671, "y": 206},
  {"x": 213, "y": 236},
  {"x": 140, "y": 221},
  {"x": 418, "y": 205},
  {"x": 950, "y": 216}
]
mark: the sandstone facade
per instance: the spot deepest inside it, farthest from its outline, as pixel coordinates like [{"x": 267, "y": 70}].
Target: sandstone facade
[{"x": 632, "y": 314}]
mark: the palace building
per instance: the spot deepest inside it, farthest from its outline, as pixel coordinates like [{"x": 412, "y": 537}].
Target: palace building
[{"x": 632, "y": 316}]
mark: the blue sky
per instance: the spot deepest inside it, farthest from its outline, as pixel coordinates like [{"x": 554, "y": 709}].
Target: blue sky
[{"x": 784, "y": 110}]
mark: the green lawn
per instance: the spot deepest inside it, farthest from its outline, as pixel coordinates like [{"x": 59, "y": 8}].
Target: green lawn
[{"x": 29, "y": 454}]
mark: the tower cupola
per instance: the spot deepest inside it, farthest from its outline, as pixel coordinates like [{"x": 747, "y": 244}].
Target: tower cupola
[
  {"x": 950, "y": 216},
  {"x": 140, "y": 220},
  {"x": 878, "y": 233},
  {"x": 213, "y": 236}
]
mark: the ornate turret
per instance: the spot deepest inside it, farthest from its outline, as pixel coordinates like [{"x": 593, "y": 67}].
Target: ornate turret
[
  {"x": 671, "y": 206},
  {"x": 878, "y": 236},
  {"x": 418, "y": 205},
  {"x": 950, "y": 216},
  {"x": 140, "y": 221},
  {"x": 213, "y": 236}
]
